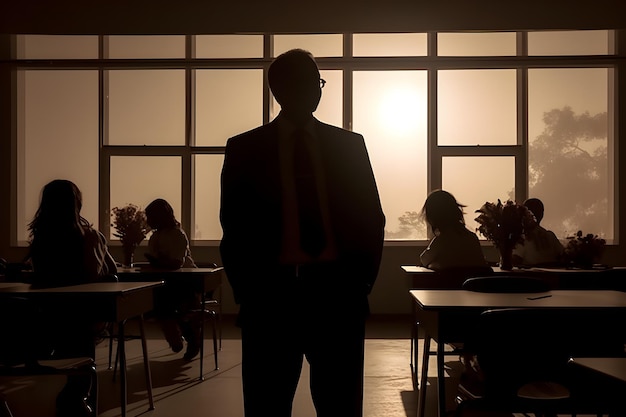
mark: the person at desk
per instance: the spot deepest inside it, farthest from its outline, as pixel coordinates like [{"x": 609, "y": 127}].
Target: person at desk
[
  {"x": 64, "y": 249},
  {"x": 302, "y": 241},
  {"x": 541, "y": 247},
  {"x": 453, "y": 246},
  {"x": 168, "y": 248}
]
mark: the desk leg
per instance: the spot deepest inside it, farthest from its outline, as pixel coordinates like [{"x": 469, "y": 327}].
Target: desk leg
[
  {"x": 146, "y": 362},
  {"x": 415, "y": 355},
  {"x": 202, "y": 307},
  {"x": 122, "y": 352},
  {"x": 441, "y": 378},
  {"x": 414, "y": 352},
  {"x": 421, "y": 404}
]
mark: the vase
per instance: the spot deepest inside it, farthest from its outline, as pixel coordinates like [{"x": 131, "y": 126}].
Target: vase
[
  {"x": 585, "y": 261},
  {"x": 506, "y": 258},
  {"x": 129, "y": 254}
]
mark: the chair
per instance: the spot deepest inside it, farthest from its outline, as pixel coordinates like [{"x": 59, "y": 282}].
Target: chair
[
  {"x": 210, "y": 306},
  {"x": 23, "y": 352},
  {"x": 532, "y": 375},
  {"x": 447, "y": 279},
  {"x": 506, "y": 284},
  {"x": 488, "y": 283},
  {"x": 212, "y": 300}
]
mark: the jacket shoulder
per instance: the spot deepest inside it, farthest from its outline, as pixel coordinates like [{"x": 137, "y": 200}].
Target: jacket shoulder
[
  {"x": 337, "y": 131},
  {"x": 252, "y": 134}
]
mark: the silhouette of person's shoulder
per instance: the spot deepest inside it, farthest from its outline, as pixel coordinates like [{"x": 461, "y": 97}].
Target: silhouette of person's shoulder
[
  {"x": 250, "y": 137},
  {"x": 327, "y": 129}
]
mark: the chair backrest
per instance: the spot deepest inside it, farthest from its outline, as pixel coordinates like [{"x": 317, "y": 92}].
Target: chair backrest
[
  {"x": 515, "y": 346},
  {"x": 20, "y": 331},
  {"x": 506, "y": 284},
  {"x": 453, "y": 278}
]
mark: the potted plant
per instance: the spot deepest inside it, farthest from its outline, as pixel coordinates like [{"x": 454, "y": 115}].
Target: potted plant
[
  {"x": 504, "y": 224},
  {"x": 131, "y": 228},
  {"x": 583, "y": 250}
]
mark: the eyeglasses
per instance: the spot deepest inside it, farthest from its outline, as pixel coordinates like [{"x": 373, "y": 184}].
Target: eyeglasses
[{"x": 322, "y": 82}]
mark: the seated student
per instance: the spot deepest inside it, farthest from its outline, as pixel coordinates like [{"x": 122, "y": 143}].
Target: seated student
[
  {"x": 453, "y": 246},
  {"x": 65, "y": 250},
  {"x": 168, "y": 248},
  {"x": 541, "y": 247}
]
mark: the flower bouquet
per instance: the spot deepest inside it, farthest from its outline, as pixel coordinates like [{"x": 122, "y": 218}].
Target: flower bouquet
[
  {"x": 131, "y": 227},
  {"x": 504, "y": 225},
  {"x": 582, "y": 251}
]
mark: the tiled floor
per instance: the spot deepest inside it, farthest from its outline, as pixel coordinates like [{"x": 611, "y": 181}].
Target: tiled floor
[{"x": 178, "y": 392}]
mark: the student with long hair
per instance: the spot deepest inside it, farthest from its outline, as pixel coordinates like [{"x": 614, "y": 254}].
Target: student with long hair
[
  {"x": 65, "y": 249},
  {"x": 453, "y": 244},
  {"x": 168, "y": 248}
]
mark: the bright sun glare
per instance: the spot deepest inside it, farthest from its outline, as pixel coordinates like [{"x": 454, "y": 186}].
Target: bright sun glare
[{"x": 400, "y": 111}]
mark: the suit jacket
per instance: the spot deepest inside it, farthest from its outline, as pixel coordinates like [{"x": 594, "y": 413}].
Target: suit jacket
[{"x": 251, "y": 204}]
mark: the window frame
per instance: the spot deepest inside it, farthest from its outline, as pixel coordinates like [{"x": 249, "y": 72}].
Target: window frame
[{"x": 348, "y": 64}]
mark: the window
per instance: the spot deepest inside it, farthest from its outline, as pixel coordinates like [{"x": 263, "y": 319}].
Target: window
[{"x": 486, "y": 116}]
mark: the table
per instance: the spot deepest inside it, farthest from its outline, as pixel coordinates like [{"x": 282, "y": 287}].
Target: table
[
  {"x": 201, "y": 279},
  {"x": 608, "y": 373},
  {"x": 557, "y": 278},
  {"x": 104, "y": 301},
  {"x": 612, "y": 278},
  {"x": 445, "y": 316},
  {"x": 612, "y": 367}
]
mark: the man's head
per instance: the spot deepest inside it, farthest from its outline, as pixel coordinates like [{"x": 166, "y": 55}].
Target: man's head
[
  {"x": 295, "y": 82},
  {"x": 536, "y": 207}
]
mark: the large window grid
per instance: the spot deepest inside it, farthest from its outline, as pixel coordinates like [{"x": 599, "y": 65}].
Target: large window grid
[{"x": 433, "y": 64}]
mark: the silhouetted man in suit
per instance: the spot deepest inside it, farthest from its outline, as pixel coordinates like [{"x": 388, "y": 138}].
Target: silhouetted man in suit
[{"x": 301, "y": 247}]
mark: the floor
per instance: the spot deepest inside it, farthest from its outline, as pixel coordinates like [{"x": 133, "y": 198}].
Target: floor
[{"x": 178, "y": 391}]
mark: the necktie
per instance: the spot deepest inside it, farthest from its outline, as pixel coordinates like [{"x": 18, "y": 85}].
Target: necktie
[{"x": 312, "y": 238}]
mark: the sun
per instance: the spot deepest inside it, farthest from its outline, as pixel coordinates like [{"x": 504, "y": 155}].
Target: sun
[{"x": 402, "y": 111}]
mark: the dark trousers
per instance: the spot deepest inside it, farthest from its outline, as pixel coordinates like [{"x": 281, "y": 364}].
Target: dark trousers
[{"x": 325, "y": 327}]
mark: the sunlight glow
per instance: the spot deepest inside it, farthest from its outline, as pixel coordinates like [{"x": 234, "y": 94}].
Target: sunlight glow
[{"x": 399, "y": 108}]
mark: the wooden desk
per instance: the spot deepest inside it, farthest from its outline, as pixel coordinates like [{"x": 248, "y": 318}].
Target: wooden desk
[
  {"x": 446, "y": 316},
  {"x": 611, "y": 367},
  {"x": 201, "y": 279},
  {"x": 206, "y": 279},
  {"x": 557, "y": 278},
  {"x": 104, "y": 301},
  {"x": 607, "y": 375}
]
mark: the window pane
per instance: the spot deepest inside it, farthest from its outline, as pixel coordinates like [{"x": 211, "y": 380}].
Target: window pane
[
  {"x": 331, "y": 104},
  {"x": 227, "y": 102},
  {"x": 390, "y": 111},
  {"x": 475, "y": 180},
  {"x": 477, "y": 107},
  {"x": 229, "y": 46},
  {"x": 476, "y": 44},
  {"x": 580, "y": 42},
  {"x": 146, "y": 107},
  {"x": 140, "y": 179},
  {"x": 57, "y": 47},
  {"x": 389, "y": 44},
  {"x": 318, "y": 45},
  {"x": 568, "y": 112},
  {"x": 154, "y": 46},
  {"x": 206, "y": 210},
  {"x": 57, "y": 138}
]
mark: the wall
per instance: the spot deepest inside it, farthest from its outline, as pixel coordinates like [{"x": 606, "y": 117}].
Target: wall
[
  {"x": 158, "y": 16},
  {"x": 202, "y": 16}
]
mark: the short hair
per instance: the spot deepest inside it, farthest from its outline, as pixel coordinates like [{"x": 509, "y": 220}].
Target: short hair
[
  {"x": 536, "y": 207},
  {"x": 295, "y": 65}
]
